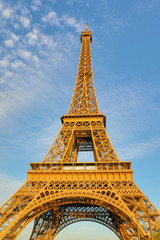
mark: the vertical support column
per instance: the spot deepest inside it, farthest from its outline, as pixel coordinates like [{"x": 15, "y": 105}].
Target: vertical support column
[{"x": 149, "y": 221}]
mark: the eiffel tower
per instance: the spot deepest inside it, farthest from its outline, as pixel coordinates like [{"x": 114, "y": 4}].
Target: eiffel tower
[{"x": 60, "y": 190}]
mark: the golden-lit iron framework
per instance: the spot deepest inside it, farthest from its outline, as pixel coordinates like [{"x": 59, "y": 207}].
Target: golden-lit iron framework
[{"x": 60, "y": 190}]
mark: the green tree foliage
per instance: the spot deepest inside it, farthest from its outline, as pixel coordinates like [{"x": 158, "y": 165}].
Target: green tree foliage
[{"x": 156, "y": 235}]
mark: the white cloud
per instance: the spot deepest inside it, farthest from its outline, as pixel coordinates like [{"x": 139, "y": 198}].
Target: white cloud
[
  {"x": 9, "y": 43},
  {"x": 134, "y": 150},
  {"x": 27, "y": 55},
  {"x": 32, "y": 37},
  {"x": 24, "y": 11},
  {"x": 39, "y": 38},
  {"x": 116, "y": 24},
  {"x": 1, "y": 6},
  {"x": 51, "y": 18},
  {"x": 8, "y": 187},
  {"x": 35, "y": 58},
  {"x": 25, "y": 21},
  {"x": 48, "y": 134},
  {"x": 8, "y": 74},
  {"x": 2, "y": 80},
  {"x": 25, "y": 86},
  {"x": 4, "y": 62},
  {"x": 72, "y": 22},
  {"x": 16, "y": 25},
  {"x": 17, "y": 64},
  {"x": 70, "y": 2},
  {"x": 15, "y": 37},
  {"x": 7, "y": 13},
  {"x": 147, "y": 4},
  {"x": 48, "y": 41},
  {"x": 36, "y": 4}
]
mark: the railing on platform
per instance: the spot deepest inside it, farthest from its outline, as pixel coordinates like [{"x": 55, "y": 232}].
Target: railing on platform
[{"x": 80, "y": 166}]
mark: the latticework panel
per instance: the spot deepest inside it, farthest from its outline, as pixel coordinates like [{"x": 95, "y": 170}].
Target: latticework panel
[
  {"x": 84, "y": 135},
  {"x": 50, "y": 223},
  {"x": 62, "y": 148},
  {"x": 103, "y": 149},
  {"x": 84, "y": 98},
  {"x": 123, "y": 198}
]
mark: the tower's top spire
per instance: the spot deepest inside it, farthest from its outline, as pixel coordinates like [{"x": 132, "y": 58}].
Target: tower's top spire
[
  {"x": 84, "y": 98},
  {"x": 86, "y": 34},
  {"x": 86, "y": 27}
]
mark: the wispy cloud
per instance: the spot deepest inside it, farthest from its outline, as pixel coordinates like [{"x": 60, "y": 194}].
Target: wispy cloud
[
  {"x": 128, "y": 122},
  {"x": 18, "y": 65},
  {"x": 15, "y": 37},
  {"x": 70, "y": 2},
  {"x": 15, "y": 14},
  {"x": 19, "y": 92},
  {"x": 4, "y": 62},
  {"x": 33, "y": 37},
  {"x": 72, "y": 22},
  {"x": 36, "y": 5},
  {"x": 48, "y": 134},
  {"x": 148, "y": 4},
  {"x": 134, "y": 150},
  {"x": 7, "y": 13},
  {"x": 9, "y": 43},
  {"x": 51, "y": 18},
  {"x": 1, "y": 6},
  {"x": 25, "y": 21},
  {"x": 22, "y": 66},
  {"x": 8, "y": 187},
  {"x": 116, "y": 24},
  {"x": 27, "y": 55}
]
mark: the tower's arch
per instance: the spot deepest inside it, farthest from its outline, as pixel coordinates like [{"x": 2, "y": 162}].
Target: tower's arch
[
  {"x": 72, "y": 213},
  {"x": 121, "y": 220}
]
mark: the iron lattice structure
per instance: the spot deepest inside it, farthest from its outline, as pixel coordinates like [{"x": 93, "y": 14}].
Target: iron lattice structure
[{"x": 60, "y": 190}]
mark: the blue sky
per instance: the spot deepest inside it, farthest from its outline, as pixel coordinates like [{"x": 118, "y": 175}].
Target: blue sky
[{"x": 39, "y": 53}]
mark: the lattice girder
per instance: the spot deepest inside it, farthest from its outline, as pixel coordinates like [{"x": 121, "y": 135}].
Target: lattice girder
[
  {"x": 46, "y": 191},
  {"x": 85, "y": 133},
  {"x": 68, "y": 214},
  {"x": 84, "y": 97}
]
